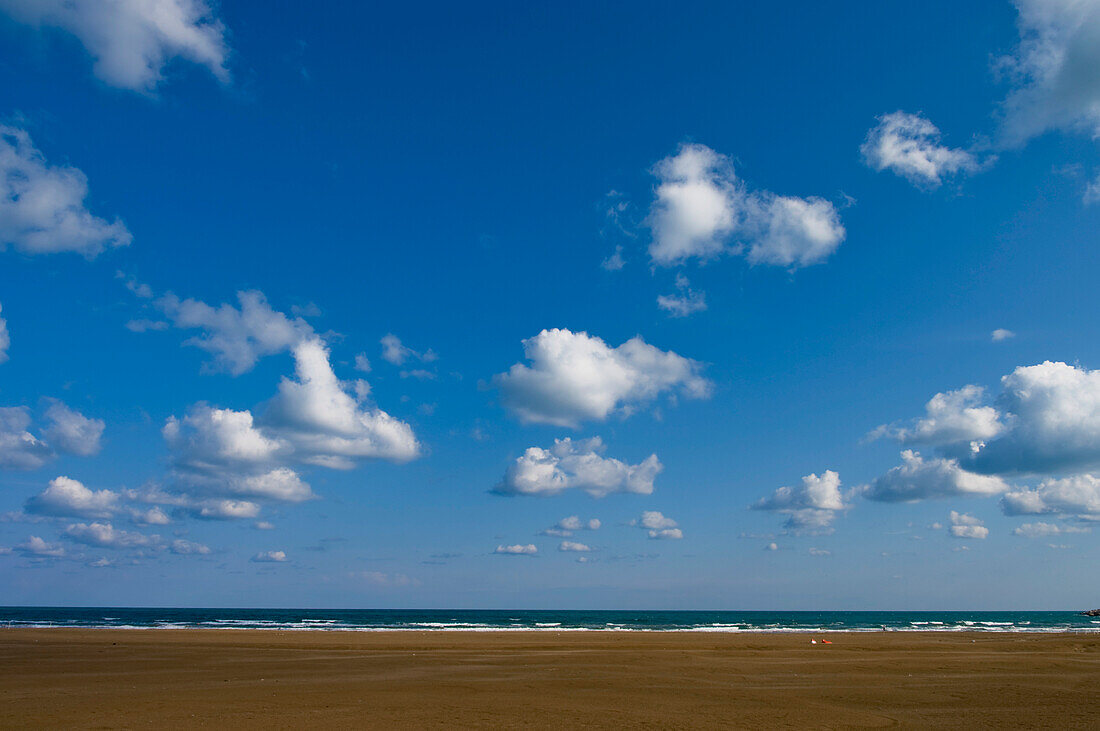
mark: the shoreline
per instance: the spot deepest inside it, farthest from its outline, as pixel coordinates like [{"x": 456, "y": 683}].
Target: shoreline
[
  {"x": 252, "y": 678},
  {"x": 980, "y": 632}
]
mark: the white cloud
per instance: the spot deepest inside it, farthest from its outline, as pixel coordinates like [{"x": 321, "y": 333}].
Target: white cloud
[
  {"x": 281, "y": 483},
  {"x": 810, "y": 507},
  {"x": 71, "y": 432},
  {"x": 66, "y": 497},
  {"x": 35, "y": 546},
  {"x": 820, "y": 552},
  {"x": 328, "y": 426},
  {"x": 952, "y": 417},
  {"x": 236, "y": 337},
  {"x": 223, "y": 453},
  {"x": 19, "y": 449},
  {"x": 269, "y": 557},
  {"x": 153, "y": 516},
  {"x": 1054, "y": 70},
  {"x": 188, "y": 548},
  {"x": 224, "y": 509},
  {"x": 1054, "y": 414},
  {"x": 1075, "y": 495},
  {"x": 362, "y": 363},
  {"x": 772, "y": 547},
  {"x": 1042, "y": 530},
  {"x": 517, "y": 550},
  {"x": 105, "y": 535},
  {"x": 1000, "y": 334},
  {"x": 264, "y": 525},
  {"x": 685, "y": 302},
  {"x": 658, "y": 526},
  {"x": 394, "y": 352},
  {"x": 925, "y": 479},
  {"x": 909, "y": 145},
  {"x": 577, "y": 464},
  {"x": 967, "y": 526},
  {"x": 702, "y": 210},
  {"x": 132, "y": 41},
  {"x": 573, "y": 546},
  {"x": 575, "y": 377},
  {"x": 698, "y": 205},
  {"x": 210, "y": 439},
  {"x": 565, "y": 527},
  {"x": 42, "y": 206},
  {"x": 5, "y": 339},
  {"x": 206, "y": 508},
  {"x": 792, "y": 232}
]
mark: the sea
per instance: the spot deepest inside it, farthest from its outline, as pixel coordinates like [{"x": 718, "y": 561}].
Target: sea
[{"x": 477, "y": 620}]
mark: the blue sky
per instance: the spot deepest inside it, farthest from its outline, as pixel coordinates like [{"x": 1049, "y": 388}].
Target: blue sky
[{"x": 300, "y": 306}]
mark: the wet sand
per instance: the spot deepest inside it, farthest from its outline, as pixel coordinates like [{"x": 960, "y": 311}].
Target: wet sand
[{"x": 243, "y": 678}]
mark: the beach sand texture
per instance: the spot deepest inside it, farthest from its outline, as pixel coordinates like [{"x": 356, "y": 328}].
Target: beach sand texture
[{"x": 52, "y": 678}]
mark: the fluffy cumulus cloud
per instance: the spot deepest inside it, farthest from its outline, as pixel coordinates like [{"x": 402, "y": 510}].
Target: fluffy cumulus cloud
[
  {"x": 269, "y": 557},
  {"x": 702, "y": 210},
  {"x": 1000, "y": 335},
  {"x": 918, "y": 479},
  {"x": 131, "y": 41},
  {"x": 966, "y": 526},
  {"x": 1045, "y": 423},
  {"x": 518, "y": 549},
  {"x": 71, "y": 432},
  {"x": 220, "y": 452},
  {"x": 810, "y": 507},
  {"x": 909, "y": 145},
  {"x": 66, "y": 431},
  {"x": 37, "y": 547},
  {"x": 151, "y": 516},
  {"x": 105, "y": 535},
  {"x": 1077, "y": 495},
  {"x": 19, "y": 449},
  {"x": 953, "y": 417},
  {"x": 658, "y": 527},
  {"x": 565, "y": 527},
  {"x": 685, "y": 301},
  {"x": 227, "y": 462},
  {"x": 1053, "y": 415},
  {"x": 66, "y": 497},
  {"x": 236, "y": 336},
  {"x": 42, "y": 205},
  {"x": 183, "y": 547},
  {"x": 1055, "y": 70},
  {"x": 573, "y": 377},
  {"x": 577, "y": 464},
  {"x": 210, "y": 439},
  {"x": 573, "y": 547},
  {"x": 329, "y": 426}
]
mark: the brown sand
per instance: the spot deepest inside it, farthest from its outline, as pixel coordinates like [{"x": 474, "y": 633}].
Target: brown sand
[{"x": 239, "y": 678}]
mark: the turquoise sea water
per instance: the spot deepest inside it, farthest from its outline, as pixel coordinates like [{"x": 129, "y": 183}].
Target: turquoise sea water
[{"x": 473, "y": 620}]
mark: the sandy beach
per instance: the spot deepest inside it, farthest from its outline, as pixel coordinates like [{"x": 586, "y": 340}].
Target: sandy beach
[{"x": 274, "y": 679}]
